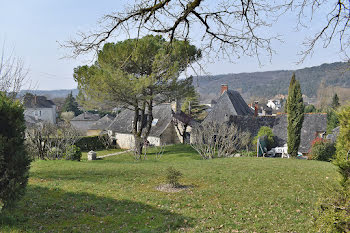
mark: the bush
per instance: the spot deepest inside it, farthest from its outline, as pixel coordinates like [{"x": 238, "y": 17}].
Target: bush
[
  {"x": 173, "y": 176},
  {"x": 322, "y": 150},
  {"x": 265, "y": 131},
  {"x": 73, "y": 153},
  {"x": 14, "y": 160},
  {"x": 90, "y": 143},
  {"x": 54, "y": 153}
]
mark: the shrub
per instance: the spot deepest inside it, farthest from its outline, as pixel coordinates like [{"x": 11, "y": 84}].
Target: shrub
[
  {"x": 54, "y": 153},
  {"x": 73, "y": 153},
  {"x": 322, "y": 150},
  {"x": 173, "y": 176},
  {"x": 14, "y": 160},
  {"x": 90, "y": 143},
  {"x": 265, "y": 131}
]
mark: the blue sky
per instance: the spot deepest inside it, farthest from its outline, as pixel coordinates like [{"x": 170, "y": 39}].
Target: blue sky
[{"x": 32, "y": 28}]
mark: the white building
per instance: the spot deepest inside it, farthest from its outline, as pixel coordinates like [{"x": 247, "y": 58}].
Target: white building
[
  {"x": 274, "y": 104},
  {"x": 39, "y": 108}
]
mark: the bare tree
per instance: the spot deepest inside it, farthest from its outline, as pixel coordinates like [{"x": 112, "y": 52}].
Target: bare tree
[
  {"x": 213, "y": 140},
  {"x": 230, "y": 28},
  {"x": 48, "y": 141},
  {"x": 13, "y": 73}
]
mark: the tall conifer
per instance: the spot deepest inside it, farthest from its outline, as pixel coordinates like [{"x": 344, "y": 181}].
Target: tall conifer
[{"x": 295, "y": 110}]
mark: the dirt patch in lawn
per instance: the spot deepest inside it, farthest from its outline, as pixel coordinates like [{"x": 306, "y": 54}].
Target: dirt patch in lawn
[{"x": 168, "y": 188}]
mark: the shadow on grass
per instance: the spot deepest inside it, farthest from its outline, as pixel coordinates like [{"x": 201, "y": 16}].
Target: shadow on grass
[{"x": 54, "y": 210}]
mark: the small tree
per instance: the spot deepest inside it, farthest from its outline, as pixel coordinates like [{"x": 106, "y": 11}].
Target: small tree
[
  {"x": 70, "y": 105},
  {"x": 295, "y": 110},
  {"x": 335, "y": 101},
  {"x": 265, "y": 131},
  {"x": 14, "y": 161}
]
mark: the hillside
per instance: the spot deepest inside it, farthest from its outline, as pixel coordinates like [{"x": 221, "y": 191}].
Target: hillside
[
  {"x": 269, "y": 83},
  {"x": 51, "y": 94}
]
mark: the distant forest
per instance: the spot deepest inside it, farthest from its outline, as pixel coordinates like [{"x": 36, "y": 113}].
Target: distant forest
[{"x": 270, "y": 83}]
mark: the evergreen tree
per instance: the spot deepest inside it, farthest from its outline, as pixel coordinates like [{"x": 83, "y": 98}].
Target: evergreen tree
[
  {"x": 70, "y": 105},
  {"x": 192, "y": 107},
  {"x": 14, "y": 160},
  {"x": 335, "y": 101},
  {"x": 295, "y": 110}
]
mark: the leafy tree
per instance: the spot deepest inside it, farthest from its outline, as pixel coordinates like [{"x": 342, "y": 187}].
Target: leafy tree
[
  {"x": 192, "y": 107},
  {"x": 14, "y": 161},
  {"x": 332, "y": 119},
  {"x": 310, "y": 109},
  {"x": 335, "y": 101},
  {"x": 137, "y": 74},
  {"x": 295, "y": 110},
  {"x": 70, "y": 105},
  {"x": 265, "y": 131}
]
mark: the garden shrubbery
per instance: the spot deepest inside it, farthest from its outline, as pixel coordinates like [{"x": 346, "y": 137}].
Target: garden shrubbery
[
  {"x": 322, "y": 150},
  {"x": 14, "y": 160},
  {"x": 73, "y": 153},
  {"x": 90, "y": 143}
]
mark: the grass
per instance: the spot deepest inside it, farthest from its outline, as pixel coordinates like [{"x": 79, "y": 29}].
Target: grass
[{"x": 117, "y": 194}]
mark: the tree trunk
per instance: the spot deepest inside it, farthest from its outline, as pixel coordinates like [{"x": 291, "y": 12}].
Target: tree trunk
[{"x": 138, "y": 146}]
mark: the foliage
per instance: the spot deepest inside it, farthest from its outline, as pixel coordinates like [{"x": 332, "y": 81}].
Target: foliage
[
  {"x": 265, "y": 131},
  {"x": 322, "y": 150},
  {"x": 93, "y": 195},
  {"x": 67, "y": 116},
  {"x": 332, "y": 120},
  {"x": 192, "y": 107},
  {"x": 49, "y": 141},
  {"x": 335, "y": 101},
  {"x": 88, "y": 143},
  {"x": 213, "y": 140},
  {"x": 173, "y": 176},
  {"x": 14, "y": 160},
  {"x": 70, "y": 105},
  {"x": 136, "y": 74},
  {"x": 310, "y": 108},
  {"x": 73, "y": 153},
  {"x": 343, "y": 139},
  {"x": 334, "y": 212},
  {"x": 295, "y": 110}
]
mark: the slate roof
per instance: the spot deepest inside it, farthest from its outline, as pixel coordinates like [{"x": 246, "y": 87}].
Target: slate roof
[
  {"x": 102, "y": 123},
  {"x": 123, "y": 121},
  {"x": 37, "y": 102},
  {"x": 313, "y": 123},
  {"x": 86, "y": 116},
  {"x": 184, "y": 118},
  {"x": 229, "y": 104}
]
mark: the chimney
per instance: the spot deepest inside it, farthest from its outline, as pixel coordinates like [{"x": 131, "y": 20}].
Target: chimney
[
  {"x": 224, "y": 87},
  {"x": 256, "y": 108},
  {"x": 175, "y": 106}
]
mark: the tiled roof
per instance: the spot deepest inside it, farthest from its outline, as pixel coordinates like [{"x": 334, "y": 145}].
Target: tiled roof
[
  {"x": 37, "y": 102},
  {"x": 86, "y": 116}
]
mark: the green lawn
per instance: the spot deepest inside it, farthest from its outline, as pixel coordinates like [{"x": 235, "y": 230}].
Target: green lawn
[{"x": 117, "y": 194}]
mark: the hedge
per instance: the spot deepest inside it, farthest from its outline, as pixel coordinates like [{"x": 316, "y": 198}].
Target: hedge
[{"x": 88, "y": 143}]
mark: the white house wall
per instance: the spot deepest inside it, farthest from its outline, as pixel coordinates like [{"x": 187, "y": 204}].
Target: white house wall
[{"x": 45, "y": 114}]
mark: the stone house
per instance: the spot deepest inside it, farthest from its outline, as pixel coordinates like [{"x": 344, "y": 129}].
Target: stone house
[
  {"x": 38, "y": 108},
  {"x": 163, "y": 131},
  {"x": 84, "y": 121},
  {"x": 99, "y": 126},
  {"x": 230, "y": 103}
]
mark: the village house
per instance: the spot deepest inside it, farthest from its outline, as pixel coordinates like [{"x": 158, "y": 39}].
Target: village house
[
  {"x": 84, "y": 121},
  {"x": 164, "y": 129},
  {"x": 38, "y": 108},
  {"x": 99, "y": 126},
  {"x": 275, "y": 104},
  {"x": 230, "y": 103}
]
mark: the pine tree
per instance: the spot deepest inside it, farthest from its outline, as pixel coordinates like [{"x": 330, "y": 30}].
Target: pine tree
[
  {"x": 335, "y": 101},
  {"x": 295, "y": 110},
  {"x": 70, "y": 105},
  {"x": 14, "y": 160}
]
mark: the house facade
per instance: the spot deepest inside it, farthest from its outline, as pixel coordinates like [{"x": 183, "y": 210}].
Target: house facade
[
  {"x": 275, "y": 104},
  {"x": 39, "y": 108},
  {"x": 99, "y": 126},
  {"x": 163, "y": 132},
  {"x": 84, "y": 121}
]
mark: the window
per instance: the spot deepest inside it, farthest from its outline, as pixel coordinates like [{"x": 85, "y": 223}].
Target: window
[{"x": 154, "y": 122}]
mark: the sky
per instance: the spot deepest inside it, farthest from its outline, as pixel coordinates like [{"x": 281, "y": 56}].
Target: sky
[{"x": 32, "y": 30}]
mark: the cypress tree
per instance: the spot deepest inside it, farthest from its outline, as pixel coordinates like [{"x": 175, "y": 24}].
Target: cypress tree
[
  {"x": 14, "y": 160},
  {"x": 295, "y": 111}
]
